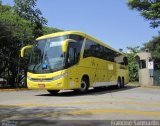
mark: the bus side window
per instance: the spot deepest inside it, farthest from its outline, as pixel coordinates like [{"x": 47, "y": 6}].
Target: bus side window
[
  {"x": 87, "y": 49},
  {"x": 71, "y": 57},
  {"x": 72, "y": 54},
  {"x": 90, "y": 49},
  {"x": 78, "y": 45}
]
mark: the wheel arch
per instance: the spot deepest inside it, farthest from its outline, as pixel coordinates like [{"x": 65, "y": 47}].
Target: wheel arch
[
  {"x": 87, "y": 78},
  {"x": 119, "y": 78},
  {"x": 123, "y": 80}
]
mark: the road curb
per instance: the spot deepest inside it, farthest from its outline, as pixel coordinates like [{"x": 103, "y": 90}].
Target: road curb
[
  {"x": 142, "y": 86},
  {"x": 152, "y": 87}
]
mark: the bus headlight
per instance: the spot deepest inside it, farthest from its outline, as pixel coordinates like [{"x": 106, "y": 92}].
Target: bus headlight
[
  {"x": 59, "y": 76},
  {"x": 29, "y": 78}
]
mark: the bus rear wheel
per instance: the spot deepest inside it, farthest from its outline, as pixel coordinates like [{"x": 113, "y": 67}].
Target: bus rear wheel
[
  {"x": 84, "y": 85},
  {"x": 123, "y": 83},
  {"x": 119, "y": 84},
  {"x": 53, "y": 92}
]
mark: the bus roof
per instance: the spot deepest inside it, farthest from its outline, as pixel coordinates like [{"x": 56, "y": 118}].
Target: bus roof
[{"x": 77, "y": 33}]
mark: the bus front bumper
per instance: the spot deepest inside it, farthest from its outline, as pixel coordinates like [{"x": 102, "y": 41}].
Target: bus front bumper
[{"x": 58, "y": 84}]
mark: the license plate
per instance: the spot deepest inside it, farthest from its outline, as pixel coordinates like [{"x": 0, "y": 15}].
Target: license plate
[{"x": 41, "y": 85}]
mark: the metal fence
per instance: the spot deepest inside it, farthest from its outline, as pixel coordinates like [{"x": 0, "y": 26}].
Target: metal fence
[{"x": 156, "y": 77}]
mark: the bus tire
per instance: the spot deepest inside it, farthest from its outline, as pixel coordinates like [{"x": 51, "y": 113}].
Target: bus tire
[
  {"x": 119, "y": 85},
  {"x": 53, "y": 92},
  {"x": 84, "y": 85}
]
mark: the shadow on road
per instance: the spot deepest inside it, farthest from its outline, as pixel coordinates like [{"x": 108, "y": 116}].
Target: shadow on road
[
  {"x": 36, "y": 114},
  {"x": 57, "y": 123},
  {"x": 99, "y": 91}
]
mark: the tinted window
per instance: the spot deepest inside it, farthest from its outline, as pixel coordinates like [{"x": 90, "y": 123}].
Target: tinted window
[
  {"x": 71, "y": 56},
  {"x": 109, "y": 54},
  {"x": 78, "y": 49},
  {"x": 90, "y": 49},
  {"x": 78, "y": 45},
  {"x": 93, "y": 49},
  {"x": 97, "y": 52}
]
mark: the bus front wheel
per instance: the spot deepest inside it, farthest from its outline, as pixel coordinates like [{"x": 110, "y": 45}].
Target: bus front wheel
[
  {"x": 84, "y": 85},
  {"x": 53, "y": 91}
]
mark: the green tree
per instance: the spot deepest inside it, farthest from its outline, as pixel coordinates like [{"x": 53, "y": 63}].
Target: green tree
[
  {"x": 49, "y": 30},
  {"x": 154, "y": 48},
  {"x": 132, "y": 63},
  {"x": 149, "y": 9},
  {"x": 26, "y": 9},
  {"x": 14, "y": 33}
]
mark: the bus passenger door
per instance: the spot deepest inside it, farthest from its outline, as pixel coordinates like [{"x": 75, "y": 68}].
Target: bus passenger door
[{"x": 72, "y": 66}]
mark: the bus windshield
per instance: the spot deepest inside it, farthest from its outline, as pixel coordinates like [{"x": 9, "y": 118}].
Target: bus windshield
[{"x": 47, "y": 56}]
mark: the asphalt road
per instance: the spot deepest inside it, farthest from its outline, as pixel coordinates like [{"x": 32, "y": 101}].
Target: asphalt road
[{"x": 105, "y": 104}]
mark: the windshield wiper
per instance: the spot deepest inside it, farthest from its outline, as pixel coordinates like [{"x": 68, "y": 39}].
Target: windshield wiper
[{"x": 37, "y": 67}]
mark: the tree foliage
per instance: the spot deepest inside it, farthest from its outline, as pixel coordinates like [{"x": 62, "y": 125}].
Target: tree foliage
[
  {"x": 26, "y": 9},
  {"x": 132, "y": 63},
  {"x": 15, "y": 32},
  {"x": 149, "y": 9},
  {"x": 154, "y": 48},
  {"x": 48, "y": 30}
]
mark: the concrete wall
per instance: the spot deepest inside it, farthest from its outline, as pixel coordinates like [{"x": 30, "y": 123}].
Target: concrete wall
[{"x": 144, "y": 74}]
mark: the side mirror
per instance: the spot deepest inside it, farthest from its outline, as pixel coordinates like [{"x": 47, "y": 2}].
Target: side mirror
[
  {"x": 66, "y": 43},
  {"x": 25, "y": 48}
]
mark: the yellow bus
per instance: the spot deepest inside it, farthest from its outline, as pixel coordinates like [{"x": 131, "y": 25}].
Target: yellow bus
[{"x": 74, "y": 60}]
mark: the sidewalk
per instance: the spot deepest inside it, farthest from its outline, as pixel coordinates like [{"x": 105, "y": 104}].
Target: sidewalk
[
  {"x": 153, "y": 87},
  {"x": 143, "y": 86}
]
